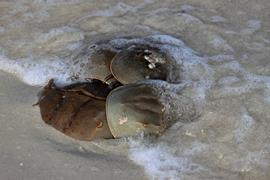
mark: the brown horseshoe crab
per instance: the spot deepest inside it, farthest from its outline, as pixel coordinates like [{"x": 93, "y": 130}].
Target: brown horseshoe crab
[{"x": 77, "y": 110}]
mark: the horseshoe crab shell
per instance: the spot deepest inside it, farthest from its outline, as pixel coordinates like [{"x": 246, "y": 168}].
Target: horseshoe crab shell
[
  {"x": 74, "y": 113},
  {"x": 132, "y": 109},
  {"x": 142, "y": 107},
  {"x": 134, "y": 64},
  {"x": 100, "y": 66}
]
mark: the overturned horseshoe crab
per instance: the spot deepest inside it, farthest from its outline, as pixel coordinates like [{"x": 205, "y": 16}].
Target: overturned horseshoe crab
[{"x": 77, "y": 110}]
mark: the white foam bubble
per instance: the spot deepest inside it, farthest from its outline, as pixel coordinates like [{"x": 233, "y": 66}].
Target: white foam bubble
[
  {"x": 221, "y": 58},
  {"x": 246, "y": 82},
  {"x": 217, "y": 19},
  {"x": 36, "y": 72},
  {"x": 245, "y": 125},
  {"x": 54, "y": 2},
  {"x": 219, "y": 43},
  {"x": 252, "y": 26},
  {"x": 160, "y": 161}
]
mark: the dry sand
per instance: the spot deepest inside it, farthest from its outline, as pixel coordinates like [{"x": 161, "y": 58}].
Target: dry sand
[{"x": 29, "y": 149}]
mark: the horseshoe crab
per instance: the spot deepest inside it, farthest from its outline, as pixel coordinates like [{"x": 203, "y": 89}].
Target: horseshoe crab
[
  {"x": 77, "y": 110},
  {"x": 142, "y": 107},
  {"x": 134, "y": 64},
  {"x": 100, "y": 66}
]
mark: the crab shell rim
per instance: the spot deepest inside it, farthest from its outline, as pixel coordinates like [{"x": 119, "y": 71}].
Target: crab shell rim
[{"x": 159, "y": 128}]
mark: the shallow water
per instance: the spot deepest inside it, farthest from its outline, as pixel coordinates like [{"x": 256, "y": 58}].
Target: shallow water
[{"x": 222, "y": 46}]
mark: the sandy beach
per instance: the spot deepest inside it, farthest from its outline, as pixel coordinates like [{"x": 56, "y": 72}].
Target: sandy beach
[{"x": 32, "y": 150}]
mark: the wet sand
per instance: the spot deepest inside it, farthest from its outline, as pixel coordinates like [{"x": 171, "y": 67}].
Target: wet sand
[{"x": 29, "y": 149}]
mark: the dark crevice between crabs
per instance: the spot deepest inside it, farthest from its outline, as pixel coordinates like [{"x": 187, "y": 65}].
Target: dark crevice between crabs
[{"x": 94, "y": 88}]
